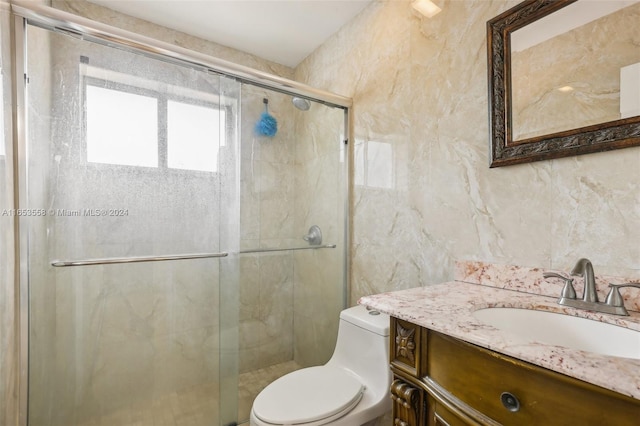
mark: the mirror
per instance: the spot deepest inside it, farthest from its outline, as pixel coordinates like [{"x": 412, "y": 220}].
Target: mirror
[{"x": 564, "y": 79}]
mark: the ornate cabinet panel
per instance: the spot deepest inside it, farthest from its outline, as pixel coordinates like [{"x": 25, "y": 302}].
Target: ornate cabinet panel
[
  {"x": 407, "y": 403},
  {"x": 406, "y": 347}
]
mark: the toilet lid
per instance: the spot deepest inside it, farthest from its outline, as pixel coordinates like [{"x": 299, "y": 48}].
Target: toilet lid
[{"x": 308, "y": 395}]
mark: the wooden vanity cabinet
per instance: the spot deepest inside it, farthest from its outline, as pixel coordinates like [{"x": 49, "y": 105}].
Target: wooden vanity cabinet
[{"x": 443, "y": 381}]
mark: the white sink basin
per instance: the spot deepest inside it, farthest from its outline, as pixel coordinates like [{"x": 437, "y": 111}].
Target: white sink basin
[{"x": 526, "y": 325}]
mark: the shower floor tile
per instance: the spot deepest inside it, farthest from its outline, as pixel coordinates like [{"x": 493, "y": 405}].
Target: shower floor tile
[
  {"x": 252, "y": 382},
  {"x": 195, "y": 406}
]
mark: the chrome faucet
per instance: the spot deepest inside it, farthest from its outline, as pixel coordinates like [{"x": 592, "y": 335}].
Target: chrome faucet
[
  {"x": 584, "y": 268},
  {"x": 614, "y": 303}
]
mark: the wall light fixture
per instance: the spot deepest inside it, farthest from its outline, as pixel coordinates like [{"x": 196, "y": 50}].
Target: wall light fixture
[{"x": 426, "y": 7}]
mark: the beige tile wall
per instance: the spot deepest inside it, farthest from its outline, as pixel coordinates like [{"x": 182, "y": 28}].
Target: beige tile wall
[
  {"x": 266, "y": 280},
  {"x": 290, "y": 182},
  {"x": 420, "y": 85},
  {"x": 319, "y": 200}
]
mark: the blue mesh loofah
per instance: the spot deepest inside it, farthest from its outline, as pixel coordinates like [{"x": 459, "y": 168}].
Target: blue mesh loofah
[{"x": 267, "y": 125}]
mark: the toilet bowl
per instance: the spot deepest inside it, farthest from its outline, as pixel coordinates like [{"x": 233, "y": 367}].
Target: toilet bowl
[{"x": 349, "y": 390}]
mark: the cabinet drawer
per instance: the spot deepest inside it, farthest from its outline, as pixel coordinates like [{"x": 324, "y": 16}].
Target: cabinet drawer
[
  {"x": 439, "y": 415},
  {"x": 406, "y": 347},
  {"x": 479, "y": 377}
]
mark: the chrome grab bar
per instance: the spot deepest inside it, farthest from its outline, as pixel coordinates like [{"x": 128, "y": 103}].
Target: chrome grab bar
[
  {"x": 266, "y": 250},
  {"x": 117, "y": 260}
]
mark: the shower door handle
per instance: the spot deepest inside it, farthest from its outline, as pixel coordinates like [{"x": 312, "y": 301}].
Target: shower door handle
[{"x": 138, "y": 259}]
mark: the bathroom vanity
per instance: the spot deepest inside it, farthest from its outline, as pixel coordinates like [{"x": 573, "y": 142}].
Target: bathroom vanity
[
  {"x": 441, "y": 380},
  {"x": 449, "y": 368}
]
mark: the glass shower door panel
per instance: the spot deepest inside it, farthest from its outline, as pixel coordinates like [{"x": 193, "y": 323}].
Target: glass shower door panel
[
  {"x": 7, "y": 255},
  {"x": 128, "y": 157}
]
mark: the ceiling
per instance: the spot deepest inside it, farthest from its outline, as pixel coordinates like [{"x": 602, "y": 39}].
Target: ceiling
[{"x": 282, "y": 31}]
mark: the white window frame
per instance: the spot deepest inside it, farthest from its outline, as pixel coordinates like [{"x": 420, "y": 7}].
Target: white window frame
[{"x": 163, "y": 93}]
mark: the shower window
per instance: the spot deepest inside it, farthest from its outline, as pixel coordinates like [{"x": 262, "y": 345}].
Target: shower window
[
  {"x": 159, "y": 129},
  {"x": 134, "y": 140},
  {"x": 191, "y": 129}
]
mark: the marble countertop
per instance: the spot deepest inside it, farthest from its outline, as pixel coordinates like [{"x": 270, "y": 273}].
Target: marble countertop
[{"x": 447, "y": 308}]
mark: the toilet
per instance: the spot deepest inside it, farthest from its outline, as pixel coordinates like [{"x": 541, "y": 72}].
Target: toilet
[{"x": 352, "y": 389}]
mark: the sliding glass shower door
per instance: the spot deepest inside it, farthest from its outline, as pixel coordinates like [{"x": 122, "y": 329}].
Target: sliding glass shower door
[{"x": 132, "y": 188}]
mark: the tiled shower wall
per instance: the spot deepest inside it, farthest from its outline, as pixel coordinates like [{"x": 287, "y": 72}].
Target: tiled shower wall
[
  {"x": 267, "y": 192},
  {"x": 320, "y": 199},
  {"x": 420, "y": 93},
  {"x": 289, "y": 301}
]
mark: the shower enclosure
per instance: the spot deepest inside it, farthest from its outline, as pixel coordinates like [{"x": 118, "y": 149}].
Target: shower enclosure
[{"x": 164, "y": 278}]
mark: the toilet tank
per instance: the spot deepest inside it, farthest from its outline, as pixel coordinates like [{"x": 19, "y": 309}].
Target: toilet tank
[
  {"x": 362, "y": 346},
  {"x": 368, "y": 319}
]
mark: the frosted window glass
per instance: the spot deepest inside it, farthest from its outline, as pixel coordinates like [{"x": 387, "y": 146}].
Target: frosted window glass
[
  {"x": 122, "y": 128},
  {"x": 194, "y": 136}
]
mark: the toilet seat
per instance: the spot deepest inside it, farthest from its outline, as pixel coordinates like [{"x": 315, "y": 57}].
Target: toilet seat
[{"x": 312, "y": 396}]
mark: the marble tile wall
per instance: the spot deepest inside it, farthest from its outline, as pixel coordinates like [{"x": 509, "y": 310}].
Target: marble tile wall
[
  {"x": 290, "y": 301},
  {"x": 267, "y": 192},
  {"x": 420, "y": 86},
  {"x": 319, "y": 200}
]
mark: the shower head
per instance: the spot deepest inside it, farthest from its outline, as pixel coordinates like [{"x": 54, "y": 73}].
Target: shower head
[{"x": 301, "y": 104}]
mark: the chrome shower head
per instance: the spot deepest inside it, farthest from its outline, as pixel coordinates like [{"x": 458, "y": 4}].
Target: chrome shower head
[{"x": 301, "y": 103}]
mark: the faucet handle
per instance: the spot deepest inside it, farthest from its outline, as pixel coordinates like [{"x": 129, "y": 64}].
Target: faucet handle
[
  {"x": 568, "y": 292},
  {"x": 614, "y": 298}
]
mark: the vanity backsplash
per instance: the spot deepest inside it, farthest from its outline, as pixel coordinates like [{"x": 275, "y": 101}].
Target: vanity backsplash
[{"x": 530, "y": 280}]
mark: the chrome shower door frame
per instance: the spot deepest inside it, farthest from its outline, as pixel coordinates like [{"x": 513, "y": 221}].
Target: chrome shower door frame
[{"x": 26, "y": 13}]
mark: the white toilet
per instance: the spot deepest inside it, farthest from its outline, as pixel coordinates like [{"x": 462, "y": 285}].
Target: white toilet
[{"x": 350, "y": 390}]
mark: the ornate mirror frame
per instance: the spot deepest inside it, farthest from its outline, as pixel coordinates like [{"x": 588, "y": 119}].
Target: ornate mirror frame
[{"x": 504, "y": 150}]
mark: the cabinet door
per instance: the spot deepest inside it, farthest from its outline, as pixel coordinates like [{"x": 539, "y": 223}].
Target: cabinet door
[{"x": 407, "y": 403}]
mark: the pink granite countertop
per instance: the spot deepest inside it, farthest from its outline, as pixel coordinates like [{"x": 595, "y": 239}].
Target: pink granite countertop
[{"x": 447, "y": 308}]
